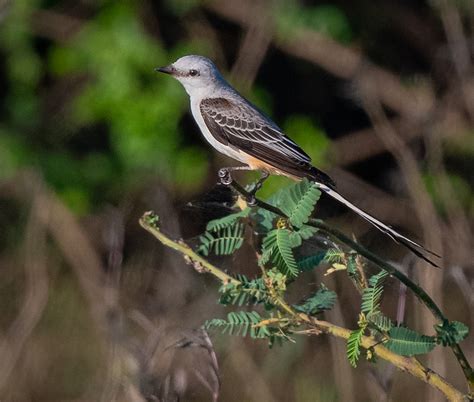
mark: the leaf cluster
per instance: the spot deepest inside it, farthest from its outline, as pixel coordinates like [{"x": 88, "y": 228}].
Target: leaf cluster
[{"x": 277, "y": 257}]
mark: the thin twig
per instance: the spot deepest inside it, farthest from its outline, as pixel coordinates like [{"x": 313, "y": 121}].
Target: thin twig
[{"x": 149, "y": 222}]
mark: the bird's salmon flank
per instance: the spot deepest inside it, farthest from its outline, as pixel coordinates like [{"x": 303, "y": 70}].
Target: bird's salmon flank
[{"x": 238, "y": 129}]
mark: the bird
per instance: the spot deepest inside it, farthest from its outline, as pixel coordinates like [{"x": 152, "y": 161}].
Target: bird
[{"x": 237, "y": 128}]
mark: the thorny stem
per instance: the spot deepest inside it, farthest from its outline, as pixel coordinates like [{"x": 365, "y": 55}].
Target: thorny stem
[
  {"x": 417, "y": 290},
  {"x": 149, "y": 221}
]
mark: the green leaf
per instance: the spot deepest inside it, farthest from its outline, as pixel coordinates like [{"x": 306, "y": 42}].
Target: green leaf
[
  {"x": 264, "y": 220},
  {"x": 298, "y": 202},
  {"x": 226, "y": 221},
  {"x": 371, "y": 296},
  {"x": 352, "y": 265},
  {"x": 310, "y": 262},
  {"x": 381, "y": 322},
  {"x": 450, "y": 333},
  {"x": 248, "y": 292},
  {"x": 378, "y": 278},
  {"x": 323, "y": 299},
  {"x": 304, "y": 233},
  {"x": 406, "y": 342},
  {"x": 354, "y": 345},
  {"x": 222, "y": 242},
  {"x": 240, "y": 323},
  {"x": 333, "y": 255},
  {"x": 277, "y": 250}
]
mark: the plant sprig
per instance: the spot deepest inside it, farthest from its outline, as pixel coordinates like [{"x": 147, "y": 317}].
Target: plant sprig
[{"x": 283, "y": 235}]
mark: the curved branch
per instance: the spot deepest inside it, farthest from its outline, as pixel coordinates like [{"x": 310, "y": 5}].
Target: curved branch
[
  {"x": 417, "y": 290},
  {"x": 149, "y": 221}
]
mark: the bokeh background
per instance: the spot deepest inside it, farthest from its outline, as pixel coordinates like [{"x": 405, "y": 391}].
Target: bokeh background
[{"x": 380, "y": 94}]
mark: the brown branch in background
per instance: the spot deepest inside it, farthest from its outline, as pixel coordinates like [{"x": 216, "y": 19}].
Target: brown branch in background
[
  {"x": 460, "y": 53},
  {"x": 55, "y": 25},
  {"x": 200, "y": 29},
  {"x": 341, "y": 61},
  {"x": 79, "y": 253},
  {"x": 245, "y": 363},
  {"x": 257, "y": 39},
  {"x": 36, "y": 288},
  {"x": 367, "y": 144},
  {"x": 386, "y": 207},
  {"x": 459, "y": 233},
  {"x": 114, "y": 235},
  {"x": 50, "y": 216},
  {"x": 409, "y": 168},
  {"x": 423, "y": 207}
]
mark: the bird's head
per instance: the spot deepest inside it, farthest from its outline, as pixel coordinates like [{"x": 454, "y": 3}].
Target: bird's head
[{"x": 196, "y": 73}]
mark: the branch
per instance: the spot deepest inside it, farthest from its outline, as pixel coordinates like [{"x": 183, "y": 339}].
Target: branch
[
  {"x": 149, "y": 221},
  {"x": 417, "y": 290}
]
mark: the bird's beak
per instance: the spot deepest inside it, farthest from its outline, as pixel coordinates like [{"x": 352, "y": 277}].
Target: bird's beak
[{"x": 167, "y": 70}]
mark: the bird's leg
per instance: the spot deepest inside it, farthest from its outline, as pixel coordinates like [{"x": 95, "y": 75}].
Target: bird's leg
[
  {"x": 225, "y": 176},
  {"x": 226, "y": 179}
]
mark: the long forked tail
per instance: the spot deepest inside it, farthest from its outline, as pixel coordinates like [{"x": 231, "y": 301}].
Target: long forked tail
[{"x": 397, "y": 237}]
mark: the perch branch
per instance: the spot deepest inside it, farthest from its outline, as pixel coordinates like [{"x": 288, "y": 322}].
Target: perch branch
[
  {"x": 417, "y": 290},
  {"x": 149, "y": 221}
]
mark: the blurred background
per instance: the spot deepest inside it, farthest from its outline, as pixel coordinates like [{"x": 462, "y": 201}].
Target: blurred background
[{"x": 380, "y": 94}]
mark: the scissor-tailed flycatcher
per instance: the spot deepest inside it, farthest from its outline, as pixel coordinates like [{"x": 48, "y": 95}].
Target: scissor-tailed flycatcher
[{"x": 236, "y": 128}]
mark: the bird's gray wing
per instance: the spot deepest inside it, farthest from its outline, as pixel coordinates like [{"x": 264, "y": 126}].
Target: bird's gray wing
[{"x": 243, "y": 127}]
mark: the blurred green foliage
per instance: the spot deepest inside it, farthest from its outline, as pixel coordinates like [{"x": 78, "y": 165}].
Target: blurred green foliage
[
  {"x": 116, "y": 96},
  {"x": 327, "y": 19},
  {"x": 114, "y": 59}
]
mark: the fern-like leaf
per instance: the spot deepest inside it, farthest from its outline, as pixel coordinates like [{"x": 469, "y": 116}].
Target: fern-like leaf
[
  {"x": 406, "y": 342},
  {"x": 323, "y": 299},
  {"x": 264, "y": 220},
  {"x": 304, "y": 233},
  {"x": 228, "y": 220},
  {"x": 333, "y": 255},
  {"x": 354, "y": 345},
  {"x": 240, "y": 323},
  {"x": 277, "y": 250},
  {"x": 372, "y": 295},
  {"x": 298, "y": 202},
  {"x": 450, "y": 333},
  {"x": 352, "y": 265},
  {"x": 247, "y": 292},
  {"x": 222, "y": 242},
  {"x": 380, "y": 322}
]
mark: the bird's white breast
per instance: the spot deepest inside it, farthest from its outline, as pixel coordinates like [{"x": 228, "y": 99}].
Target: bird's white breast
[{"x": 224, "y": 149}]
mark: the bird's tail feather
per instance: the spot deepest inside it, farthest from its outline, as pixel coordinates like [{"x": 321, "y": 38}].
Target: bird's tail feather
[{"x": 397, "y": 237}]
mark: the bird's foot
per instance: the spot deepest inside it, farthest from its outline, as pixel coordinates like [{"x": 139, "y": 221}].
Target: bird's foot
[
  {"x": 225, "y": 177},
  {"x": 251, "y": 200}
]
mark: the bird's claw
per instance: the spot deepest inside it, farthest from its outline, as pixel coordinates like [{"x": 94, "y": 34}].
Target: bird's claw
[
  {"x": 251, "y": 200},
  {"x": 225, "y": 177}
]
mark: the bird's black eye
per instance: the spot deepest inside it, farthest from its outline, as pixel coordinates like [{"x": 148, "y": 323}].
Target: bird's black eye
[{"x": 193, "y": 73}]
